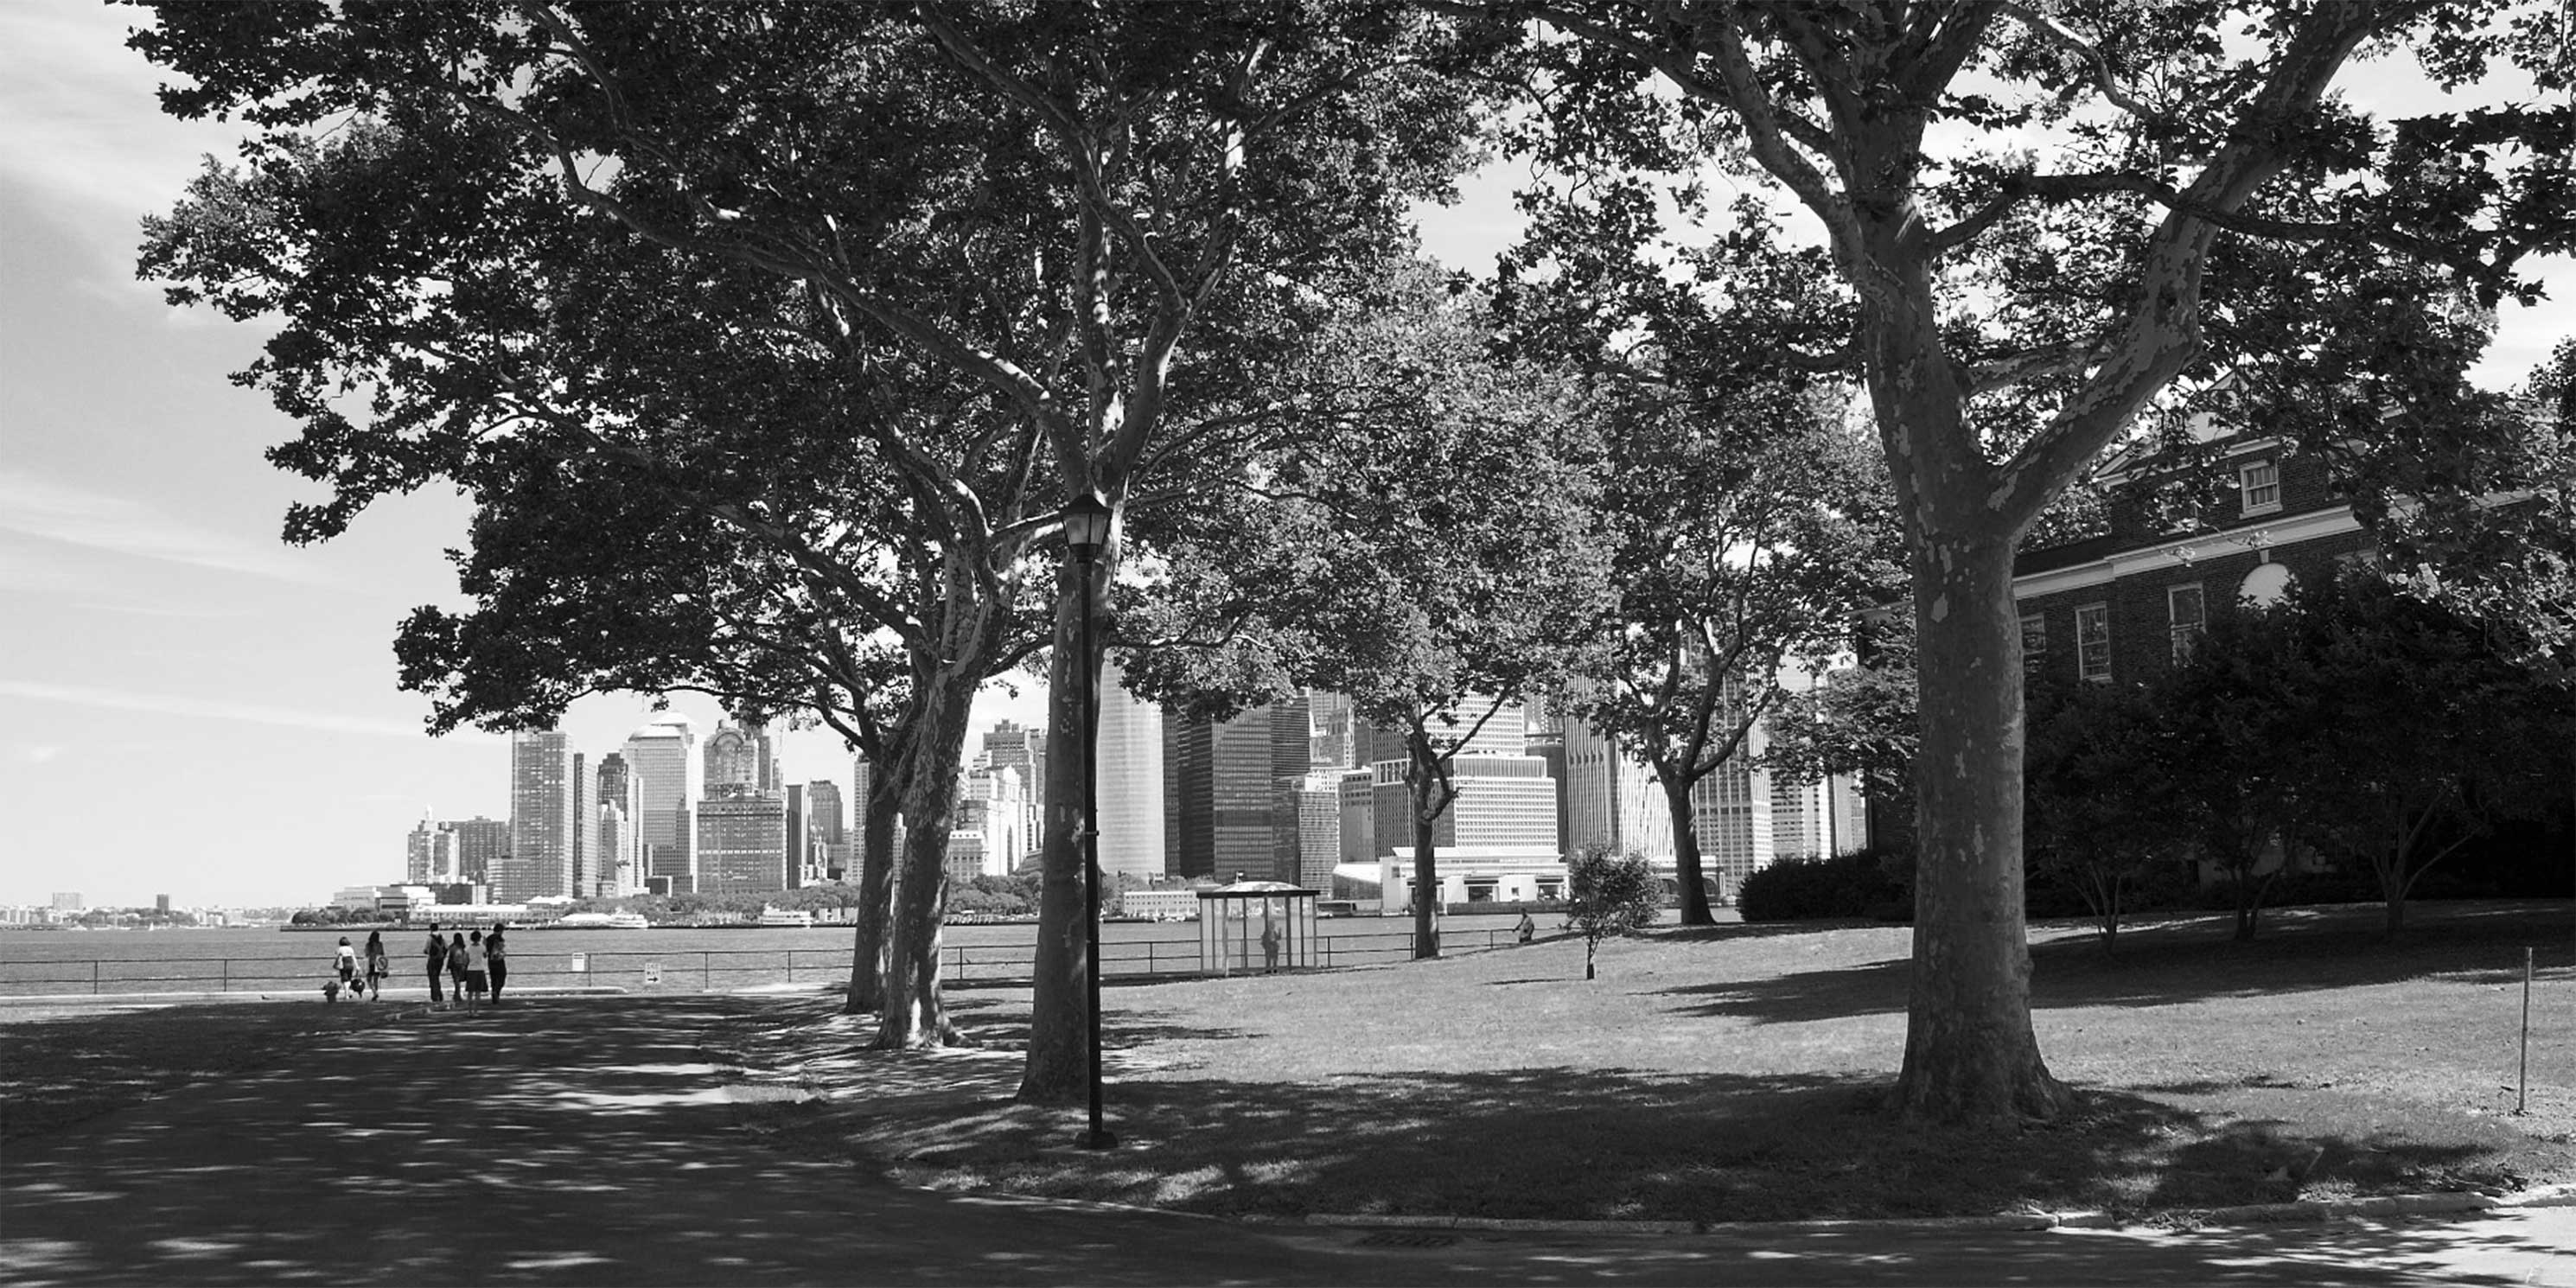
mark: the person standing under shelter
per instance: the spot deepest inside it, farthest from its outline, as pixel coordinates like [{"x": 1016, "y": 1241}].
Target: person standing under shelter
[
  {"x": 437, "y": 954},
  {"x": 496, "y": 961},
  {"x": 1269, "y": 943}
]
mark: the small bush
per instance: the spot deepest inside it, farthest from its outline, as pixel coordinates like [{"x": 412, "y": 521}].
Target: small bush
[{"x": 1861, "y": 884}]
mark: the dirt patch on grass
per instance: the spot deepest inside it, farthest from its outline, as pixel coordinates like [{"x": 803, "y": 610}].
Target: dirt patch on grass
[{"x": 1737, "y": 1077}]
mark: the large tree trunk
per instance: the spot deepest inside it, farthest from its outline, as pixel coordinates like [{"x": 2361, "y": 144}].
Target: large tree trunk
[
  {"x": 1059, "y": 1064},
  {"x": 1970, "y": 1056},
  {"x": 914, "y": 1014},
  {"x": 876, "y": 886},
  {"x": 1686, "y": 860},
  {"x": 1421, "y": 784}
]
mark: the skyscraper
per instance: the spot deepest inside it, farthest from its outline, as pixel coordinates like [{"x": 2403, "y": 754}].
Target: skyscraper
[
  {"x": 1221, "y": 783},
  {"x": 618, "y": 869},
  {"x": 1306, "y": 829},
  {"x": 824, "y": 822},
  {"x": 657, "y": 756},
  {"x": 1131, "y": 774},
  {"x": 481, "y": 844},
  {"x": 1611, "y": 798},
  {"x": 545, "y": 819},
  {"x": 744, "y": 831},
  {"x": 1008, "y": 745}
]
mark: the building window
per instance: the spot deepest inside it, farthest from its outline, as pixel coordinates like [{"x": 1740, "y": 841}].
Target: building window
[
  {"x": 2034, "y": 642},
  {"x": 2189, "y": 615},
  {"x": 2260, "y": 486},
  {"x": 2093, "y": 641}
]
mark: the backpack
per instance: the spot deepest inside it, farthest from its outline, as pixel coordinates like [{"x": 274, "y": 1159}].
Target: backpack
[{"x": 437, "y": 952}]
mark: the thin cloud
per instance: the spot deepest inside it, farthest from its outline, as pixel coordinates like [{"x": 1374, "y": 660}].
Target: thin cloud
[
  {"x": 155, "y": 610},
  {"x": 34, "y": 753},
  {"x": 76, "y": 516},
  {"x": 203, "y": 708}
]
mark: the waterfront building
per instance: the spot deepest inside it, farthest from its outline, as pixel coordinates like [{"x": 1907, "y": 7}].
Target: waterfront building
[
  {"x": 993, "y": 803},
  {"x": 618, "y": 868},
  {"x": 965, "y": 858},
  {"x": 1611, "y": 798},
  {"x": 1502, "y": 801},
  {"x": 1220, "y": 771},
  {"x": 546, "y": 818},
  {"x": 1009, "y": 745},
  {"x": 823, "y": 811},
  {"x": 1131, "y": 783},
  {"x": 742, "y": 840},
  {"x": 1731, "y": 814},
  {"x": 658, "y": 760},
  {"x": 1306, "y": 829},
  {"x": 481, "y": 844}
]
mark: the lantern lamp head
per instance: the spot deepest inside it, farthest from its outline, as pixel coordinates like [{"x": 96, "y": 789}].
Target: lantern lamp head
[{"x": 1086, "y": 527}]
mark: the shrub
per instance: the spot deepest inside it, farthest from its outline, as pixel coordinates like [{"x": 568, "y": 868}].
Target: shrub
[{"x": 1860, "y": 884}]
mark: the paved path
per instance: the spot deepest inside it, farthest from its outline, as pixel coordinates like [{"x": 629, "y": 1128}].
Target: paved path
[{"x": 583, "y": 1141}]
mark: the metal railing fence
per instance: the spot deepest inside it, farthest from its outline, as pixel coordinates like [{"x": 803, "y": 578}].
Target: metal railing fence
[{"x": 645, "y": 969}]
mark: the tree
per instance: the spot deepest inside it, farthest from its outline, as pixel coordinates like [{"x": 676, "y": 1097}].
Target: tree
[
  {"x": 2424, "y": 731},
  {"x": 2240, "y": 714},
  {"x": 2010, "y": 320},
  {"x": 1740, "y": 521},
  {"x": 2099, "y": 773},
  {"x": 1609, "y": 894},
  {"x": 1431, "y": 560},
  {"x": 1087, "y": 225}
]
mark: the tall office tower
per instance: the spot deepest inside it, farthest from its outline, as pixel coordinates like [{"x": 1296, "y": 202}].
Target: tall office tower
[
  {"x": 1503, "y": 802},
  {"x": 1009, "y": 745},
  {"x": 823, "y": 811},
  {"x": 1548, "y": 744},
  {"x": 993, "y": 804},
  {"x": 1341, "y": 738},
  {"x": 433, "y": 855},
  {"x": 585, "y": 829},
  {"x": 1358, "y": 793},
  {"x": 800, "y": 838},
  {"x": 1611, "y": 798},
  {"x": 765, "y": 752},
  {"x": 612, "y": 832},
  {"x": 1731, "y": 812},
  {"x": 742, "y": 842},
  {"x": 1221, "y": 783},
  {"x": 862, "y": 781},
  {"x": 736, "y": 759},
  {"x": 1306, "y": 829},
  {"x": 1292, "y": 736},
  {"x": 481, "y": 844},
  {"x": 1131, "y": 772},
  {"x": 1502, "y": 733},
  {"x": 619, "y": 869},
  {"x": 545, "y": 819},
  {"x": 657, "y": 756}
]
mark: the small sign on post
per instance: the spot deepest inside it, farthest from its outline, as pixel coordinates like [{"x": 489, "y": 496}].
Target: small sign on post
[
  {"x": 581, "y": 963},
  {"x": 653, "y": 974}
]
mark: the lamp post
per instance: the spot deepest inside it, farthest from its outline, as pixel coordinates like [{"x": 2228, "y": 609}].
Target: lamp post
[{"x": 1086, "y": 534}]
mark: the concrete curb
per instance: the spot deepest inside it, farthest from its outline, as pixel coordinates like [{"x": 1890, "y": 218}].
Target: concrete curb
[{"x": 2247, "y": 1214}]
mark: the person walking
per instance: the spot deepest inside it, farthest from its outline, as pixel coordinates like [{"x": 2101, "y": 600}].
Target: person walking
[
  {"x": 347, "y": 968},
  {"x": 377, "y": 965},
  {"x": 478, "y": 974},
  {"x": 1528, "y": 928},
  {"x": 496, "y": 961},
  {"x": 456, "y": 967},
  {"x": 437, "y": 955}
]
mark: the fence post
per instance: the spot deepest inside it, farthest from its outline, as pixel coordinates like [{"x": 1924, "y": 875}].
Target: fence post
[
  {"x": 93, "y": 977},
  {"x": 706, "y": 973},
  {"x": 227, "y": 964},
  {"x": 2522, "y": 1075}
]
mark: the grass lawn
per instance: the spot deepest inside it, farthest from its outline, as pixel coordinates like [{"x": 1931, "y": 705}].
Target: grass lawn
[
  {"x": 1737, "y": 1074},
  {"x": 57, "y": 1069}
]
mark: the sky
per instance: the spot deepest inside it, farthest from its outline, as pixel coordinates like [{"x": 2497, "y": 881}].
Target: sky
[{"x": 188, "y": 706}]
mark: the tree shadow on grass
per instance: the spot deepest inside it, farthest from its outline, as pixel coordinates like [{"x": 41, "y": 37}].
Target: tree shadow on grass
[
  {"x": 2192, "y": 959},
  {"x": 1615, "y": 1144}
]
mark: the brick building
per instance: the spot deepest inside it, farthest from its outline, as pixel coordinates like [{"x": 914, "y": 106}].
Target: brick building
[{"x": 2123, "y": 605}]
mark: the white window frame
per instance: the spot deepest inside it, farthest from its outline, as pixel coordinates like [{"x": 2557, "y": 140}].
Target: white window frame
[
  {"x": 2093, "y": 656},
  {"x": 2261, "y": 496},
  {"x": 2186, "y": 632},
  {"x": 2034, "y": 641}
]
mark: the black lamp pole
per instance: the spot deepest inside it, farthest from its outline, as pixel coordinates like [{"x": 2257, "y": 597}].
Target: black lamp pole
[{"x": 1086, "y": 531}]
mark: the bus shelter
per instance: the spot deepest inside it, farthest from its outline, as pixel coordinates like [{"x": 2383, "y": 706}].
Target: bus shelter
[{"x": 1256, "y": 926}]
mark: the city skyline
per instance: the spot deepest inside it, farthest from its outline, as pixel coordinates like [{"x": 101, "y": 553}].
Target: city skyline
[{"x": 164, "y": 645}]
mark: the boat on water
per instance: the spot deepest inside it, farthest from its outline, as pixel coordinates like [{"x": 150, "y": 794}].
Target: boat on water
[
  {"x": 797, "y": 917},
  {"x": 602, "y": 921}
]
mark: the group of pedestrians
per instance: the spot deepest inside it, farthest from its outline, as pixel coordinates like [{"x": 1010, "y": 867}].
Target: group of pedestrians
[
  {"x": 475, "y": 964},
  {"x": 359, "y": 978}
]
